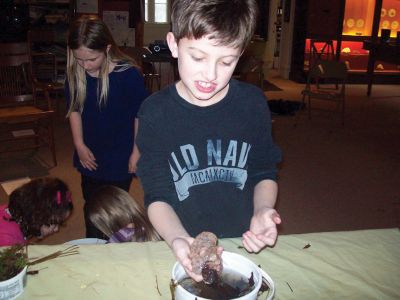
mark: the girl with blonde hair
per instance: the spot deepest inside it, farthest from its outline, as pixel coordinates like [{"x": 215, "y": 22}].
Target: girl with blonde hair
[
  {"x": 115, "y": 213},
  {"x": 104, "y": 89}
]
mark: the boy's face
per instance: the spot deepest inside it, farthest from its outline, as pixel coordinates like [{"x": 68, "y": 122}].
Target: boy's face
[{"x": 204, "y": 68}]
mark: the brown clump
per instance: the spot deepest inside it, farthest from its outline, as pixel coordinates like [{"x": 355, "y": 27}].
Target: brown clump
[{"x": 205, "y": 258}]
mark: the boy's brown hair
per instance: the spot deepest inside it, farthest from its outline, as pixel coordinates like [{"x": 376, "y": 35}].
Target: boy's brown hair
[{"x": 228, "y": 22}]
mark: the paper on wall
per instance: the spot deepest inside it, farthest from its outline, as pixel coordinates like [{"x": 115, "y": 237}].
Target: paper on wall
[
  {"x": 87, "y": 6},
  {"x": 118, "y": 23}
]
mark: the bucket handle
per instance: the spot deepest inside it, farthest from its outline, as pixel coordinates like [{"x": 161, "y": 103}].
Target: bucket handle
[{"x": 270, "y": 284}]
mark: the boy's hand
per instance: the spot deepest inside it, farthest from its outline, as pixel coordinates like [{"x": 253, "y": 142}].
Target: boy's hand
[
  {"x": 181, "y": 248},
  {"x": 263, "y": 231},
  {"x": 86, "y": 157}
]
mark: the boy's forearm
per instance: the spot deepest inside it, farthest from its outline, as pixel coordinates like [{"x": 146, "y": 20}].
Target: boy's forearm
[
  {"x": 166, "y": 222},
  {"x": 135, "y": 131},
  {"x": 75, "y": 122},
  {"x": 265, "y": 194}
]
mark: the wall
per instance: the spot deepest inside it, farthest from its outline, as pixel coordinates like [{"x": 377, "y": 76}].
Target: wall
[
  {"x": 154, "y": 32},
  {"x": 286, "y": 46}
]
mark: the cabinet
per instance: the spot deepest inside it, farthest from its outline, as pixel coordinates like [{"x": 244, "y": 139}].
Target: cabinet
[
  {"x": 52, "y": 15},
  {"x": 347, "y": 24},
  {"x": 48, "y": 28}
]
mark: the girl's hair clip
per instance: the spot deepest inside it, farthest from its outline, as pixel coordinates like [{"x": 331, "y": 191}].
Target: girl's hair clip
[
  {"x": 58, "y": 198},
  {"x": 67, "y": 196}
]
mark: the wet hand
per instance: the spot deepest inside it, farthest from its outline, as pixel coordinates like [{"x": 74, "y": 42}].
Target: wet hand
[
  {"x": 181, "y": 249},
  {"x": 263, "y": 231}
]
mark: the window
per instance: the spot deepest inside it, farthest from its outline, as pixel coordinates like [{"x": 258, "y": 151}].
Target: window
[{"x": 156, "y": 11}]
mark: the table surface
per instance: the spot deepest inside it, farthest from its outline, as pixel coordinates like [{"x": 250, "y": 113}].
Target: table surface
[{"x": 337, "y": 265}]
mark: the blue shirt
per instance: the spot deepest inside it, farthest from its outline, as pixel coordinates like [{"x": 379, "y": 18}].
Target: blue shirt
[{"x": 108, "y": 130}]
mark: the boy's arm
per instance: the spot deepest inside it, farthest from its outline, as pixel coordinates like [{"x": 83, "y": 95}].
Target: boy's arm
[
  {"x": 86, "y": 156},
  {"x": 263, "y": 231},
  {"x": 133, "y": 159},
  {"x": 168, "y": 225}
]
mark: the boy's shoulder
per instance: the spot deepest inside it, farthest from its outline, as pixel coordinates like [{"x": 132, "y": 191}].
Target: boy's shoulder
[
  {"x": 158, "y": 100},
  {"x": 246, "y": 91}
]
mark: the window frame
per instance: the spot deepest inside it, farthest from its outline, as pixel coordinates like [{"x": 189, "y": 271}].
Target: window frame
[{"x": 150, "y": 9}]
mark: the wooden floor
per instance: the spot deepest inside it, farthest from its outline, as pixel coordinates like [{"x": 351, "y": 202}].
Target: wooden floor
[{"x": 332, "y": 177}]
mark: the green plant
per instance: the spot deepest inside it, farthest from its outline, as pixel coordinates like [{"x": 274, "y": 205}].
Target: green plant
[{"x": 12, "y": 260}]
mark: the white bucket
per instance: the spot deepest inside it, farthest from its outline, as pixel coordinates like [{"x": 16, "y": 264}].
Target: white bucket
[
  {"x": 10, "y": 289},
  {"x": 234, "y": 262}
]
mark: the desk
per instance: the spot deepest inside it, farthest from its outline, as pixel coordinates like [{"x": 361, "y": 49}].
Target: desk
[
  {"x": 338, "y": 265},
  {"x": 386, "y": 52}
]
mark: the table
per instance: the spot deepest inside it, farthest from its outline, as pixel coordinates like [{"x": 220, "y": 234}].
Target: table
[
  {"x": 386, "y": 52},
  {"x": 337, "y": 265}
]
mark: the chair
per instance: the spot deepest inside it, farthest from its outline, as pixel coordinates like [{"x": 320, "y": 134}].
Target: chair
[
  {"x": 26, "y": 118},
  {"x": 46, "y": 58},
  {"x": 150, "y": 73},
  {"x": 321, "y": 50},
  {"x": 250, "y": 69},
  {"x": 326, "y": 81},
  {"x": 250, "y": 65}
]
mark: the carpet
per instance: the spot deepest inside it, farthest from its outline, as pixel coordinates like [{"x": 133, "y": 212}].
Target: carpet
[
  {"x": 268, "y": 86},
  {"x": 13, "y": 168},
  {"x": 284, "y": 107}
]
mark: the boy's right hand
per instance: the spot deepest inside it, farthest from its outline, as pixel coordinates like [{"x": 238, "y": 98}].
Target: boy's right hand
[
  {"x": 181, "y": 248},
  {"x": 86, "y": 157}
]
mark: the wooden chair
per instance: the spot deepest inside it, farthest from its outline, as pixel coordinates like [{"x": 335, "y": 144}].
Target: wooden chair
[
  {"x": 326, "y": 81},
  {"x": 321, "y": 50},
  {"x": 250, "y": 69},
  {"x": 26, "y": 118},
  {"x": 150, "y": 73},
  {"x": 46, "y": 58},
  {"x": 250, "y": 65}
]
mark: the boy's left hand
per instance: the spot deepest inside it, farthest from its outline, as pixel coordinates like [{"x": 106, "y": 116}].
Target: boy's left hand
[
  {"x": 263, "y": 231},
  {"x": 181, "y": 248}
]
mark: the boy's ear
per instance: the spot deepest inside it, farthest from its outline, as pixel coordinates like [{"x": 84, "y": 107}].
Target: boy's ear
[{"x": 172, "y": 44}]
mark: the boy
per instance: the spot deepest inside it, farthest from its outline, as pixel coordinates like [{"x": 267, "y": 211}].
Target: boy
[{"x": 208, "y": 162}]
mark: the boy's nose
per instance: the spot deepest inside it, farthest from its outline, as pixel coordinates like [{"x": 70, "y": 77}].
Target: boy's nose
[{"x": 210, "y": 72}]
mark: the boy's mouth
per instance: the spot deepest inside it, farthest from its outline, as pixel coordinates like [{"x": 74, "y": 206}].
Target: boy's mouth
[{"x": 205, "y": 87}]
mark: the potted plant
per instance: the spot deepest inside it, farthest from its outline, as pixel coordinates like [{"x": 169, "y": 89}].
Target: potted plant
[{"x": 13, "y": 266}]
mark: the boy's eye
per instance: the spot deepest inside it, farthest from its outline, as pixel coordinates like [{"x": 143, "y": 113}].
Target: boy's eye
[
  {"x": 197, "y": 58},
  {"x": 227, "y": 64}
]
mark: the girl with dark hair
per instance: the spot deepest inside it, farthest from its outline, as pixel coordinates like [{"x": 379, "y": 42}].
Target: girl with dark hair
[{"x": 36, "y": 209}]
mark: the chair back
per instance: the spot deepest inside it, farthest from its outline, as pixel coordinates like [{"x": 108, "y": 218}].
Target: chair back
[
  {"x": 15, "y": 77},
  {"x": 149, "y": 71},
  {"x": 329, "y": 69},
  {"x": 45, "y": 55}
]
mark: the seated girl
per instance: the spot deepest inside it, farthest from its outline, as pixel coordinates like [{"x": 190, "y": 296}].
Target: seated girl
[
  {"x": 36, "y": 209},
  {"x": 114, "y": 212}
]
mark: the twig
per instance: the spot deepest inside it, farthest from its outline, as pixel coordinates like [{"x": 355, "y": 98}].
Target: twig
[
  {"x": 34, "y": 272},
  {"x": 72, "y": 250},
  {"x": 158, "y": 290},
  {"x": 289, "y": 286}
]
